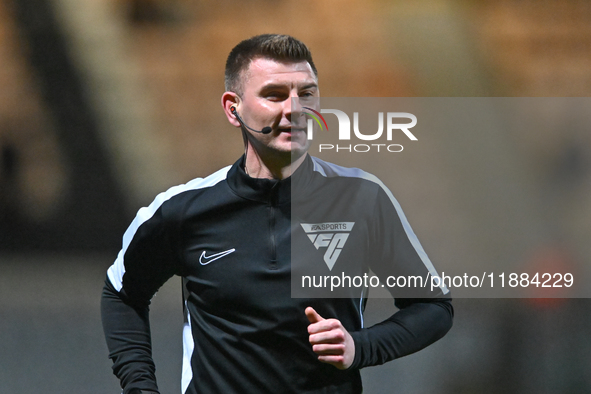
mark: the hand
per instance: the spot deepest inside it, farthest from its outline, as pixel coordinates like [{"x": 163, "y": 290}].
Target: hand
[{"x": 330, "y": 340}]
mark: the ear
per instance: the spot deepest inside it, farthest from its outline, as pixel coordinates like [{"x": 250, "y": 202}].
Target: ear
[{"x": 229, "y": 100}]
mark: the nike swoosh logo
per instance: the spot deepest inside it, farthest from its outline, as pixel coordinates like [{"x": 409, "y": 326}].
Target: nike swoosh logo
[{"x": 204, "y": 260}]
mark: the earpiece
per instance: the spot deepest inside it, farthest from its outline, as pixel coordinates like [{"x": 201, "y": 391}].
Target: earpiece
[{"x": 265, "y": 130}]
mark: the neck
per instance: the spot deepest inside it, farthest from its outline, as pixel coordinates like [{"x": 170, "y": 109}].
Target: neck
[{"x": 271, "y": 168}]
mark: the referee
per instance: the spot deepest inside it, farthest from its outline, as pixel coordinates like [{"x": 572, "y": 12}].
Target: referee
[{"x": 229, "y": 236}]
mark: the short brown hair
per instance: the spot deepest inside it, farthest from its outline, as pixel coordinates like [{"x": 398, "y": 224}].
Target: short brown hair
[{"x": 272, "y": 46}]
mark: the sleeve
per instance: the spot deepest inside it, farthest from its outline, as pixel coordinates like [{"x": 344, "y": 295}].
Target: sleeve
[
  {"x": 144, "y": 263},
  {"x": 417, "y": 325},
  {"x": 424, "y": 315}
]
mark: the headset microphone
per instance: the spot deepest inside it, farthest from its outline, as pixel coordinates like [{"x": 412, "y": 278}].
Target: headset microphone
[{"x": 265, "y": 130}]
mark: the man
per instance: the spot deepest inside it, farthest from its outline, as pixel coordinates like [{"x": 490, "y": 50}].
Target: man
[{"x": 229, "y": 236}]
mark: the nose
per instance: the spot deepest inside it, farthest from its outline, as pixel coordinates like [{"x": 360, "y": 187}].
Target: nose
[{"x": 291, "y": 105}]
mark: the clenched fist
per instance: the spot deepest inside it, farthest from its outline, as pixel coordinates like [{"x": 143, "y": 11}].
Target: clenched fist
[{"x": 330, "y": 340}]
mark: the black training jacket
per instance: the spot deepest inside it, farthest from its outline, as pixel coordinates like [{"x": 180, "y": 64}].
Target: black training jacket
[{"x": 234, "y": 240}]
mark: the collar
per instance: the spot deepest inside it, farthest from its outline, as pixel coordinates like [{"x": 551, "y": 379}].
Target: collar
[{"x": 267, "y": 190}]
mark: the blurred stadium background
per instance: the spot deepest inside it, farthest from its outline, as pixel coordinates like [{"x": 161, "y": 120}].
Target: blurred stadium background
[{"x": 105, "y": 103}]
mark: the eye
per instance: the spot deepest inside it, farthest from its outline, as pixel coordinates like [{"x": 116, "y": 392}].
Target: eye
[
  {"x": 275, "y": 96},
  {"x": 308, "y": 92}
]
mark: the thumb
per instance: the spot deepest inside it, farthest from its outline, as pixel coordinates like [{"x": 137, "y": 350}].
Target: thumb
[{"x": 312, "y": 315}]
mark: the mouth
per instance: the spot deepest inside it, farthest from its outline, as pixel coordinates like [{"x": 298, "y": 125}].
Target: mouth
[{"x": 291, "y": 129}]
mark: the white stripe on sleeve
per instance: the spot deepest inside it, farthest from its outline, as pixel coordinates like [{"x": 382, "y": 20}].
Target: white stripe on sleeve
[{"x": 117, "y": 270}]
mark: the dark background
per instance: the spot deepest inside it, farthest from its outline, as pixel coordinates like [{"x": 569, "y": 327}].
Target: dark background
[{"x": 104, "y": 104}]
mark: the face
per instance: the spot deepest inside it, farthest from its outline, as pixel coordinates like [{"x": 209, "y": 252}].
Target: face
[{"x": 268, "y": 87}]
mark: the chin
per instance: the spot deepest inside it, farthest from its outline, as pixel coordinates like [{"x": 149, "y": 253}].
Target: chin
[
  {"x": 299, "y": 145},
  {"x": 297, "y": 152}
]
